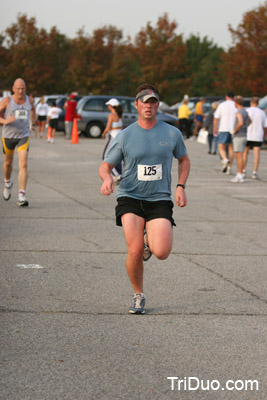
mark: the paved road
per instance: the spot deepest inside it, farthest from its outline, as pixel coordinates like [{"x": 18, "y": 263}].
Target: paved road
[{"x": 65, "y": 331}]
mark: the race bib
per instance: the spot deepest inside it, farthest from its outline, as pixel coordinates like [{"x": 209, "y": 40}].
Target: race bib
[
  {"x": 149, "y": 172},
  {"x": 21, "y": 114}
]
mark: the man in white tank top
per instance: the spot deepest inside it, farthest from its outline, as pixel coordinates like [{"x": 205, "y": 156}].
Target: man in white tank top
[{"x": 19, "y": 112}]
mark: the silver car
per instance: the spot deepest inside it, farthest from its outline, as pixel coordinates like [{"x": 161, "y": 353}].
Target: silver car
[{"x": 93, "y": 113}]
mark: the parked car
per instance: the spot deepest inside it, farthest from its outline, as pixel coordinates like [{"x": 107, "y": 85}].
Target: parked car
[
  {"x": 93, "y": 113},
  {"x": 49, "y": 99},
  {"x": 263, "y": 104}
]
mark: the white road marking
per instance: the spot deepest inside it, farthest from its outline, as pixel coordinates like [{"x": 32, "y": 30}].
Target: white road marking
[
  {"x": 29, "y": 266},
  {"x": 250, "y": 196}
]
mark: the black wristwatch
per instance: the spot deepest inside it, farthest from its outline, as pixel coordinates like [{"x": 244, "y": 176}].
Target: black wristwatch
[{"x": 179, "y": 184}]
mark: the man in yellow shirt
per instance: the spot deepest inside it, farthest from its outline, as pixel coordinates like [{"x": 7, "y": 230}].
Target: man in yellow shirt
[
  {"x": 183, "y": 116},
  {"x": 199, "y": 116}
]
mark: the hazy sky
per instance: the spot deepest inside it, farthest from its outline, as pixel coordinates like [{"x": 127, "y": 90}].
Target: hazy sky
[{"x": 204, "y": 17}]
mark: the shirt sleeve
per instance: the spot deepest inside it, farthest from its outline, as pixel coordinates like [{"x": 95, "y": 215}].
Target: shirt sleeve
[
  {"x": 115, "y": 153},
  {"x": 217, "y": 113},
  {"x": 180, "y": 148}
]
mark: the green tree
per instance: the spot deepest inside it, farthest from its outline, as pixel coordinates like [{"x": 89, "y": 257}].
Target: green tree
[{"x": 202, "y": 58}]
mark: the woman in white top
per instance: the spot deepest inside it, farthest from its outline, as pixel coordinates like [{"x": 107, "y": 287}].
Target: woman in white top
[
  {"x": 53, "y": 115},
  {"x": 113, "y": 127},
  {"x": 42, "y": 111}
]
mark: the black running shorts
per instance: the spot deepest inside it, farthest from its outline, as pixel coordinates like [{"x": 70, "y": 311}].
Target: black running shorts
[
  {"x": 53, "y": 123},
  {"x": 9, "y": 145},
  {"x": 251, "y": 144},
  {"x": 145, "y": 209}
]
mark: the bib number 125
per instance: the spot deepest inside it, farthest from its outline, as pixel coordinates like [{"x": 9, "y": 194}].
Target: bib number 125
[{"x": 149, "y": 172}]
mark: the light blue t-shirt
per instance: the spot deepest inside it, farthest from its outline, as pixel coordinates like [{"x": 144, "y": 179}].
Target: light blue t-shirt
[{"x": 147, "y": 155}]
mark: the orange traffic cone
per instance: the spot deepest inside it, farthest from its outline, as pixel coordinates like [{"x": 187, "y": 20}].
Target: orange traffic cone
[
  {"x": 74, "y": 134},
  {"x": 48, "y": 136}
]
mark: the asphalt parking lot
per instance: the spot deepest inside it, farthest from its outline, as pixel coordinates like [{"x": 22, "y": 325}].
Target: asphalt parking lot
[{"x": 64, "y": 324}]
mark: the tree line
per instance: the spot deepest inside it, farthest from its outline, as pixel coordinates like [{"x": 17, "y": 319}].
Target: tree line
[{"x": 107, "y": 63}]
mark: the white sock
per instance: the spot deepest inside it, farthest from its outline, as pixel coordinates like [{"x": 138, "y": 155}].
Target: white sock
[
  {"x": 22, "y": 194},
  {"x": 8, "y": 182}
]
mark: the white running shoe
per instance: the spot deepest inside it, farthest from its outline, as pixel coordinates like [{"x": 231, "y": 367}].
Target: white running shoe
[
  {"x": 228, "y": 171},
  {"x": 22, "y": 202},
  {"x": 138, "y": 304},
  {"x": 254, "y": 175},
  {"x": 147, "y": 252},
  {"x": 238, "y": 179},
  {"x": 225, "y": 165},
  {"x": 7, "y": 191}
]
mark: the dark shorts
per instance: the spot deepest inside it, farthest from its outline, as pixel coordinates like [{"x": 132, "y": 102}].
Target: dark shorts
[
  {"x": 41, "y": 117},
  {"x": 251, "y": 144},
  {"x": 9, "y": 145},
  {"x": 145, "y": 209},
  {"x": 199, "y": 118},
  {"x": 225, "y": 138},
  {"x": 53, "y": 123}
]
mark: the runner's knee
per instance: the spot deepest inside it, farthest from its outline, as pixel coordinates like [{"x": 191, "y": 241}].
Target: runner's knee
[
  {"x": 161, "y": 254},
  {"x": 136, "y": 252}
]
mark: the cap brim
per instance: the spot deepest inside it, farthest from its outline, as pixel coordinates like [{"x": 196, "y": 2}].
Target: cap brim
[{"x": 147, "y": 97}]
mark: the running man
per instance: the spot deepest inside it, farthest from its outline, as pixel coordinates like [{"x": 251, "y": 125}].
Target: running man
[
  {"x": 147, "y": 148},
  {"x": 224, "y": 125},
  {"x": 18, "y": 113},
  {"x": 255, "y": 135}
]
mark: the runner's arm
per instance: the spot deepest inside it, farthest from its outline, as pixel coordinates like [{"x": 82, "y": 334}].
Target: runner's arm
[
  {"x": 3, "y": 105},
  {"x": 108, "y": 126},
  {"x": 215, "y": 125},
  {"x": 105, "y": 174},
  {"x": 183, "y": 172},
  {"x": 239, "y": 124},
  {"x": 33, "y": 114}
]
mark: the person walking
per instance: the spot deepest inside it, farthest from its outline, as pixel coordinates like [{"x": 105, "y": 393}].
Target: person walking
[
  {"x": 41, "y": 112},
  {"x": 199, "y": 117},
  {"x": 19, "y": 112},
  {"x": 240, "y": 137},
  {"x": 113, "y": 127},
  {"x": 255, "y": 135},
  {"x": 209, "y": 126},
  {"x": 147, "y": 148},
  {"x": 224, "y": 124},
  {"x": 184, "y": 113},
  {"x": 70, "y": 107},
  {"x": 53, "y": 116}
]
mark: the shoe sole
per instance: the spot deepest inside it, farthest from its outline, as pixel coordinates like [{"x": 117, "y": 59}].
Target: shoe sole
[
  {"x": 6, "y": 199},
  {"x": 137, "y": 312},
  {"x": 224, "y": 168},
  {"x": 24, "y": 204},
  {"x": 237, "y": 181},
  {"x": 147, "y": 257}
]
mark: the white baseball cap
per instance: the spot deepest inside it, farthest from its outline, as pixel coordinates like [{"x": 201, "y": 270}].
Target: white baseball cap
[{"x": 113, "y": 102}]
